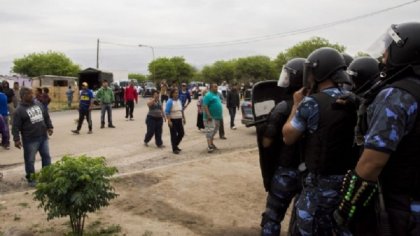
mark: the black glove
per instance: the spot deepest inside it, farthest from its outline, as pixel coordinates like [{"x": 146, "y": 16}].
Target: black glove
[{"x": 356, "y": 193}]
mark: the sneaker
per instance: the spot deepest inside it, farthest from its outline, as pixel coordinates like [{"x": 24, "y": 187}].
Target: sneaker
[
  {"x": 75, "y": 131},
  {"x": 90, "y": 132},
  {"x": 214, "y": 147},
  {"x": 233, "y": 127},
  {"x": 175, "y": 151},
  {"x": 111, "y": 126},
  {"x": 223, "y": 137},
  {"x": 146, "y": 144},
  {"x": 6, "y": 146},
  {"x": 32, "y": 183},
  {"x": 178, "y": 149},
  {"x": 102, "y": 126},
  {"x": 161, "y": 146},
  {"x": 210, "y": 149}
]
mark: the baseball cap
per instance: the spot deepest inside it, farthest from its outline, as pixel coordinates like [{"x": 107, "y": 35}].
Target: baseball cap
[{"x": 85, "y": 84}]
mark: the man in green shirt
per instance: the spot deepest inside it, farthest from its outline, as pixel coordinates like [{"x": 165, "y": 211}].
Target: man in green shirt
[
  {"x": 105, "y": 96},
  {"x": 212, "y": 115}
]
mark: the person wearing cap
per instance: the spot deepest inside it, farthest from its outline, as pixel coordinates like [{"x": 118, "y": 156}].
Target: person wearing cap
[
  {"x": 85, "y": 106},
  {"x": 184, "y": 95}
]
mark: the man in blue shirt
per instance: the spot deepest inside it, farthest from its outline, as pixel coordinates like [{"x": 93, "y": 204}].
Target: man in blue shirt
[
  {"x": 4, "y": 124},
  {"x": 212, "y": 115},
  {"x": 184, "y": 95},
  {"x": 85, "y": 107}
]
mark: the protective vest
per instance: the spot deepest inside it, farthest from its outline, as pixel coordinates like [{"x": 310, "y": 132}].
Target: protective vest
[
  {"x": 401, "y": 174},
  {"x": 329, "y": 150}
]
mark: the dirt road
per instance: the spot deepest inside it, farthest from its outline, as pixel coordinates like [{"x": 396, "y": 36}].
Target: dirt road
[{"x": 194, "y": 193}]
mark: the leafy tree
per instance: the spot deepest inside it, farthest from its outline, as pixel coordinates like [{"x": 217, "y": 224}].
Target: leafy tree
[
  {"x": 184, "y": 71},
  {"x": 139, "y": 77},
  {"x": 361, "y": 54},
  {"x": 173, "y": 69},
  {"x": 255, "y": 68},
  {"x": 49, "y": 63},
  {"x": 303, "y": 49},
  {"x": 220, "y": 71},
  {"x": 73, "y": 187}
]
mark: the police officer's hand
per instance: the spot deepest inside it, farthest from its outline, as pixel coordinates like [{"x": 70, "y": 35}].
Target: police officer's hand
[
  {"x": 169, "y": 122},
  {"x": 18, "y": 144},
  {"x": 50, "y": 132},
  {"x": 298, "y": 96}
]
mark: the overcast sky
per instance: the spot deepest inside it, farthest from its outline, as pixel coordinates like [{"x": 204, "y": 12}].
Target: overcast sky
[{"x": 73, "y": 27}]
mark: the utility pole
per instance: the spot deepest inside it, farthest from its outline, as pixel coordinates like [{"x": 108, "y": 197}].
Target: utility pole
[{"x": 97, "y": 54}]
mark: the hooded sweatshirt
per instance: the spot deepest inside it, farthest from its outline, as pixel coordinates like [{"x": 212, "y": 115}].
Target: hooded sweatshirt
[{"x": 31, "y": 120}]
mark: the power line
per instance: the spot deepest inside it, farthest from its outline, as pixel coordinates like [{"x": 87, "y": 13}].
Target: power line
[{"x": 273, "y": 36}]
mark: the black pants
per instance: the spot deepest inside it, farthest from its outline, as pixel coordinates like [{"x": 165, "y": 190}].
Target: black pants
[
  {"x": 154, "y": 127},
  {"x": 129, "y": 108},
  {"x": 221, "y": 129},
  {"x": 82, "y": 115},
  {"x": 232, "y": 113},
  {"x": 200, "y": 123},
  {"x": 177, "y": 133}
]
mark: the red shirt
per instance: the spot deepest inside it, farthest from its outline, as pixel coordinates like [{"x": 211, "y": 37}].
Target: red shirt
[{"x": 130, "y": 94}]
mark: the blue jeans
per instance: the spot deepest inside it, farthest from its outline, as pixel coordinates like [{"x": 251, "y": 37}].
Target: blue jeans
[
  {"x": 4, "y": 130},
  {"x": 106, "y": 107},
  {"x": 30, "y": 148}
]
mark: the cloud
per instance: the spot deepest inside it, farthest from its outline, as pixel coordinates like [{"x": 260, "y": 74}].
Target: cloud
[{"x": 74, "y": 26}]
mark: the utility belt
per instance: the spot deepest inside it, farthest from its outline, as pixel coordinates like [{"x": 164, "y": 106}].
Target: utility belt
[{"x": 323, "y": 181}]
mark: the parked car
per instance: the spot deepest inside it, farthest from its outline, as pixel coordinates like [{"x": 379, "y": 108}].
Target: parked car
[
  {"x": 149, "y": 87},
  {"x": 246, "y": 108}
]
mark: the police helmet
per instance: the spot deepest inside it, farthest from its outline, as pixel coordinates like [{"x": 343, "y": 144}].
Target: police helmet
[
  {"x": 347, "y": 58},
  {"x": 291, "y": 74},
  {"x": 325, "y": 63},
  {"x": 402, "y": 42},
  {"x": 363, "y": 71}
]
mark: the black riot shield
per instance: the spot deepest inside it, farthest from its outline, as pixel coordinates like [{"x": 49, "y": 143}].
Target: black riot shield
[{"x": 265, "y": 95}]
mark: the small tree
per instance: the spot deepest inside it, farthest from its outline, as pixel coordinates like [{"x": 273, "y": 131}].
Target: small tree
[{"x": 73, "y": 187}]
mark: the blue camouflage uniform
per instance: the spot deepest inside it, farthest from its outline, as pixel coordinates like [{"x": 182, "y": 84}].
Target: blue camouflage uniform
[
  {"x": 391, "y": 117},
  {"x": 285, "y": 184},
  {"x": 321, "y": 194},
  {"x": 286, "y": 181}
]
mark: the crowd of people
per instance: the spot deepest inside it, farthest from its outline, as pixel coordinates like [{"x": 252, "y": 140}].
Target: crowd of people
[{"x": 344, "y": 142}]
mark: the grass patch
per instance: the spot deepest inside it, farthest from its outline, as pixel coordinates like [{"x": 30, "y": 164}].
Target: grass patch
[
  {"x": 23, "y": 204},
  {"x": 147, "y": 233},
  {"x": 16, "y": 218},
  {"x": 106, "y": 231}
]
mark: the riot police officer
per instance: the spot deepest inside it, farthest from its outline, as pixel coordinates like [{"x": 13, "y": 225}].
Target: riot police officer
[
  {"x": 328, "y": 142},
  {"x": 286, "y": 181},
  {"x": 363, "y": 72},
  {"x": 391, "y": 149}
]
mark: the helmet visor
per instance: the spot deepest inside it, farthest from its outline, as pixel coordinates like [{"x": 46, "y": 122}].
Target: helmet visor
[
  {"x": 379, "y": 47},
  {"x": 284, "y": 79}
]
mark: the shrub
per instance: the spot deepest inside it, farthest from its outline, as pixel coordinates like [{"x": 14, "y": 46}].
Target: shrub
[{"x": 73, "y": 187}]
